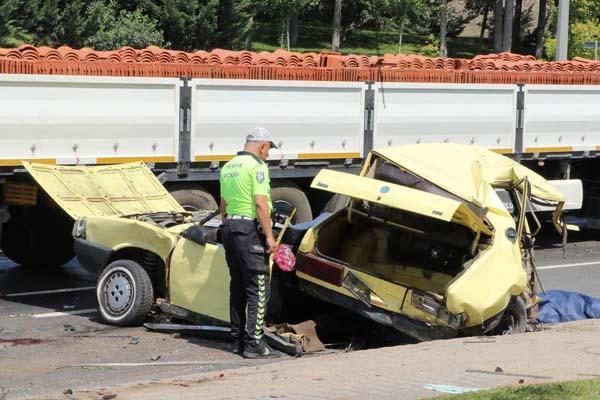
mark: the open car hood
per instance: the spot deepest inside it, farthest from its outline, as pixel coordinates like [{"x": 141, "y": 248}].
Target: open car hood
[
  {"x": 399, "y": 197},
  {"x": 113, "y": 190}
]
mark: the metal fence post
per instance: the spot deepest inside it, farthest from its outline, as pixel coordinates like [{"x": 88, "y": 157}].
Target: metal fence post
[
  {"x": 520, "y": 119},
  {"x": 185, "y": 124},
  {"x": 369, "y": 118}
]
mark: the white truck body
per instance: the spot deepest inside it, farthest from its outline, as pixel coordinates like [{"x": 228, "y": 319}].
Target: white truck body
[{"x": 89, "y": 120}]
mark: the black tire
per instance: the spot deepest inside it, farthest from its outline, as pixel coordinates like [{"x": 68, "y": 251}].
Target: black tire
[
  {"x": 195, "y": 199},
  {"x": 285, "y": 198},
  {"x": 38, "y": 237},
  {"x": 124, "y": 293},
  {"x": 336, "y": 203},
  {"x": 514, "y": 319}
]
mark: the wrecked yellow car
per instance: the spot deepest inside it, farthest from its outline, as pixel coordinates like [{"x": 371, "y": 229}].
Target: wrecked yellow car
[
  {"x": 425, "y": 244},
  {"x": 142, "y": 242}
]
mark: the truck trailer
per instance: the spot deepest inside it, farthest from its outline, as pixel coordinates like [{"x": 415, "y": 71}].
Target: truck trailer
[{"x": 185, "y": 114}]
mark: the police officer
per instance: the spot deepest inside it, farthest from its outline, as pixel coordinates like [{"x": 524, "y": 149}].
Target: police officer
[{"x": 248, "y": 240}]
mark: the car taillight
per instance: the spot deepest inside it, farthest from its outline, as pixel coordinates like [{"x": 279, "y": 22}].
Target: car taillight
[{"x": 314, "y": 266}]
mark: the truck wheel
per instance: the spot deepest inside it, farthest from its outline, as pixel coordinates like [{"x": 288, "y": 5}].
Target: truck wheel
[
  {"x": 195, "y": 199},
  {"x": 124, "y": 294},
  {"x": 336, "y": 203},
  {"x": 514, "y": 319},
  {"x": 45, "y": 243},
  {"x": 286, "y": 198}
]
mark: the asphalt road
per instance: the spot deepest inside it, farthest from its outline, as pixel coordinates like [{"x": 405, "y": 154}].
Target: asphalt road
[{"x": 56, "y": 308}]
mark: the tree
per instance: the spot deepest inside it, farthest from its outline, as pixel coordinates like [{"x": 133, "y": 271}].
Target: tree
[
  {"x": 498, "y": 24},
  {"x": 516, "y": 26},
  {"x": 443, "y": 26},
  {"x": 541, "y": 28},
  {"x": 287, "y": 9},
  {"x": 11, "y": 34},
  {"x": 231, "y": 29},
  {"x": 393, "y": 14},
  {"x": 128, "y": 28},
  {"x": 508, "y": 24},
  {"x": 584, "y": 25},
  {"x": 337, "y": 26},
  {"x": 486, "y": 11},
  {"x": 252, "y": 8}
]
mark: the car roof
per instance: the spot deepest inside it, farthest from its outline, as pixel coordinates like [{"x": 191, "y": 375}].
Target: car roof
[{"x": 464, "y": 170}]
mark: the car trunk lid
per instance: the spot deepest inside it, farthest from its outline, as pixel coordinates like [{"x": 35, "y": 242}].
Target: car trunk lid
[
  {"x": 113, "y": 190},
  {"x": 399, "y": 197}
]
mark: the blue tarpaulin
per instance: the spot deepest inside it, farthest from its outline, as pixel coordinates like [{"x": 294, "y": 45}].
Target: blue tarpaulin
[{"x": 563, "y": 306}]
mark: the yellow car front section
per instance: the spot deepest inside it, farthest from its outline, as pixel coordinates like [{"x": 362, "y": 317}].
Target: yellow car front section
[{"x": 118, "y": 233}]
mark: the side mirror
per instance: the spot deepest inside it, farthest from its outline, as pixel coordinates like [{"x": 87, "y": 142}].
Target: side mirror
[{"x": 196, "y": 234}]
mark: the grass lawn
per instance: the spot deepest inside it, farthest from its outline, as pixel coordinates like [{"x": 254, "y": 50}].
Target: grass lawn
[
  {"x": 575, "y": 390},
  {"x": 360, "y": 41}
]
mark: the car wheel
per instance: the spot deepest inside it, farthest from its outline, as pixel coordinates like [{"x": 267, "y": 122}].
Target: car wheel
[
  {"x": 514, "y": 319},
  {"x": 124, "y": 294},
  {"x": 195, "y": 199},
  {"x": 286, "y": 198}
]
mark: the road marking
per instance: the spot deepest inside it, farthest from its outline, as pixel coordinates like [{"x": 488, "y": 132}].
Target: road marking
[
  {"x": 64, "y": 313},
  {"x": 569, "y": 265},
  {"x": 49, "y": 291}
]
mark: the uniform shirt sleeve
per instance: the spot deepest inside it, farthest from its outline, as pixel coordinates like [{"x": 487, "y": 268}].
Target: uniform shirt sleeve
[{"x": 260, "y": 180}]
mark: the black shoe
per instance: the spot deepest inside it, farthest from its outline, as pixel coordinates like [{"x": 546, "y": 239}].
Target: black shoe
[
  {"x": 259, "y": 350},
  {"x": 238, "y": 346}
]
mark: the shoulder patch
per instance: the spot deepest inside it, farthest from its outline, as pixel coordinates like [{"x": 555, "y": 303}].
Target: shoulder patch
[{"x": 260, "y": 176}]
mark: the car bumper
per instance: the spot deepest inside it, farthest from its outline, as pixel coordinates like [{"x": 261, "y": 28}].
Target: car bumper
[
  {"x": 92, "y": 256},
  {"x": 411, "y": 327}
]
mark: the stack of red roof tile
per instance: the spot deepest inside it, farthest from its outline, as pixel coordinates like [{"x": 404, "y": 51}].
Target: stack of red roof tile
[{"x": 285, "y": 65}]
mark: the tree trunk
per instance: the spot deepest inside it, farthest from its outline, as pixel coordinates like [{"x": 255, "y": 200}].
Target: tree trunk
[
  {"x": 508, "y": 21},
  {"x": 287, "y": 32},
  {"x": 541, "y": 27},
  {"x": 294, "y": 27},
  {"x": 516, "y": 29},
  {"x": 498, "y": 22},
  {"x": 249, "y": 34},
  {"x": 401, "y": 31},
  {"x": 283, "y": 34},
  {"x": 443, "y": 25},
  {"x": 337, "y": 26},
  {"x": 486, "y": 11}
]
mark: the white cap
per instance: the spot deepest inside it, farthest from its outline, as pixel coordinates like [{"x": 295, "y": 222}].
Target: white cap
[{"x": 260, "y": 134}]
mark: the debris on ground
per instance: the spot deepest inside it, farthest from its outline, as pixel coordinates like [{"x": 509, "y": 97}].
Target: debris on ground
[
  {"x": 155, "y": 357},
  {"x": 501, "y": 372},
  {"x": 134, "y": 340},
  {"x": 294, "y": 339},
  {"x": 68, "y": 391},
  {"x": 450, "y": 388}
]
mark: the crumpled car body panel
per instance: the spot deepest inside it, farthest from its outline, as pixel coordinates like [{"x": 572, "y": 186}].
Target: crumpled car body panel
[{"x": 483, "y": 288}]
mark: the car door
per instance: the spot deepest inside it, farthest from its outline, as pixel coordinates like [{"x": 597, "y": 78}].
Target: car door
[{"x": 199, "y": 277}]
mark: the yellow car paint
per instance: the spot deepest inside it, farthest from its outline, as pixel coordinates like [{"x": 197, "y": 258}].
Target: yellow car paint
[{"x": 118, "y": 190}]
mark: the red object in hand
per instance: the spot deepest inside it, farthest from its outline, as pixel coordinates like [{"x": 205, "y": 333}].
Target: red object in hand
[{"x": 285, "y": 258}]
